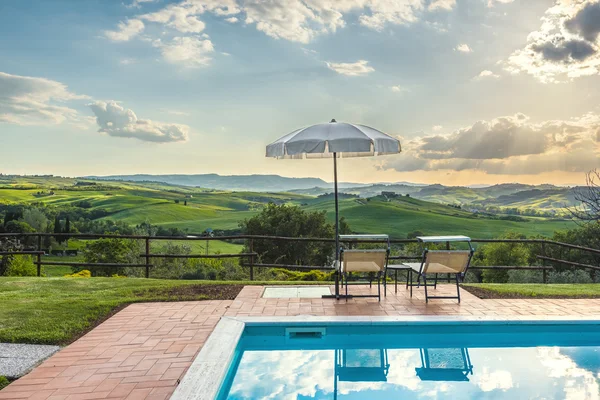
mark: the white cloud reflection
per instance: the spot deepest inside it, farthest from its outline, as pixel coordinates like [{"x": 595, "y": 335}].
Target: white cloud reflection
[{"x": 510, "y": 373}]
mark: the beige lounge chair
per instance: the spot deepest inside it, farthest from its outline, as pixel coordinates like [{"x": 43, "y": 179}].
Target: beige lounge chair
[
  {"x": 453, "y": 262},
  {"x": 371, "y": 261}
]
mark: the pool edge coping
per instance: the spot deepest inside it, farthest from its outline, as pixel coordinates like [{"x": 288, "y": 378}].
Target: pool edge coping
[{"x": 209, "y": 369}]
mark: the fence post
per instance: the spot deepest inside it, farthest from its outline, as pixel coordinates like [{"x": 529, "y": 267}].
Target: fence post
[
  {"x": 252, "y": 260},
  {"x": 39, "y": 256},
  {"x": 544, "y": 271},
  {"x": 147, "y": 257}
]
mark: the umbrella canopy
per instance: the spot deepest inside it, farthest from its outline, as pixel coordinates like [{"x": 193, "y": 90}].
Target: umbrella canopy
[
  {"x": 325, "y": 140},
  {"x": 335, "y": 139}
]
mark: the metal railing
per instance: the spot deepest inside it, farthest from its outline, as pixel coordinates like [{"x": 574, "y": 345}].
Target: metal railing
[{"x": 250, "y": 259}]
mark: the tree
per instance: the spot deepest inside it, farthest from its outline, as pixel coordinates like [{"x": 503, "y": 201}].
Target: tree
[
  {"x": 502, "y": 254},
  {"x": 67, "y": 228},
  {"x": 291, "y": 221},
  {"x": 111, "y": 251},
  {"x": 589, "y": 198},
  {"x": 35, "y": 218},
  {"x": 57, "y": 229}
]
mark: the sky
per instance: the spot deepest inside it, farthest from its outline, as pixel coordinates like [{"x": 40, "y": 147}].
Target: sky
[{"x": 477, "y": 91}]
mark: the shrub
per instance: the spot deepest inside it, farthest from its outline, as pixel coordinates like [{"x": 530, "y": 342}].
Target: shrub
[
  {"x": 81, "y": 274},
  {"x": 576, "y": 276},
  {"x": 3, "y": 382},
  {"x": 21, "y": 266},
  {"x": 520, "y": 276}
]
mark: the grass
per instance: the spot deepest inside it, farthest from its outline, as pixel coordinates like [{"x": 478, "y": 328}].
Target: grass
[
  {"x": 526, "y": 290},
  {"x": 58, "y": 310},
  {"x": 134, "y": 203}
]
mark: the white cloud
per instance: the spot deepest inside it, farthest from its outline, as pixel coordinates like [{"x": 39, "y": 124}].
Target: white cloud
[
  {"x": 446, "y": 5},
  {"x": 565, "y": 47},
  {"x": 126, "y": 30},
  {"x": 127, "y": 61},
  {"x": 492, "y": 3},
  {"x": 182, "y": 19},
  {"x": 26, "y": 100},
  {"x": 114, "y": 120},
  {"x": 188, "y": 51},
  {"x": 463, "y": 48},
  {"x": 359, "y": 68},
  {"x": 437, "y": 128},
  {"x": 507, "y": 145},
  {"x": 496, "y": 380},
  {"x": 176, "y": 112},
  {"x": 398, "y": 89},
  {"x": 293, "y": 20},
  {"x": 486, "y": 74}
]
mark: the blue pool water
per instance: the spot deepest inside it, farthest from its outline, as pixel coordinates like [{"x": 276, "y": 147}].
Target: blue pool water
[{"x": 456, "y": 361}]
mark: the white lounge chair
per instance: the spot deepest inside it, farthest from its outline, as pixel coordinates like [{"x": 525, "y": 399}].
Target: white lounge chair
[
  {"x": 369, "y": 261},
  {"x": 434, "y": 262}
]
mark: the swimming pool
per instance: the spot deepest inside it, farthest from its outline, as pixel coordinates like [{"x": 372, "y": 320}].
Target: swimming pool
[{"x": 409, "y": 359}]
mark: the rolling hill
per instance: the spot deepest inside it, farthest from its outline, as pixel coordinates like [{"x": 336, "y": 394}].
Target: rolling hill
[{"x": 197, "y": 209}]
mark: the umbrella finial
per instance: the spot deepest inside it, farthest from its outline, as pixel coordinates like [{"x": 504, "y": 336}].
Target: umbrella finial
[{"x": 333, "y": 121}]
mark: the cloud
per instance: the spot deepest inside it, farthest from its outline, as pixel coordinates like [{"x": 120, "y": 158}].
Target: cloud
[
  {"x": 188, "y": 51},
  {"x": 492, "y": 3},
  {"x": 486, "y": 74},
  {"x": 126, "y": 30},
  {"x": 566, "y": 46},
  {"x": 398, "y": 89},
  {"x": 176, "y": 112},
  {"x": 463, "y": 48},
  {"x": 359, "y": 68},
  {"x": 507, "y": 145},
  {"x": 437, "y": 128},
  {"x": 294, "y": 20},
  {"x": 114, "y": 120},
  {"x": 138, "y": 3},
  {"x": 442, "y": 5},
  {"x": 26, "y": 100}
]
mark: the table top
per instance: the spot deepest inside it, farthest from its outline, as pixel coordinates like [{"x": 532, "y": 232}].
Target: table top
[{"x": 431, "y": 239}]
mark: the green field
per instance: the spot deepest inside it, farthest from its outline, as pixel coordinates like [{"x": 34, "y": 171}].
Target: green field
[{"x": 135, "y": 203}]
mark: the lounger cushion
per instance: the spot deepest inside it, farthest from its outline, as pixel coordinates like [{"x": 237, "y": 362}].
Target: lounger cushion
[
  {"x": 360, "y": 266},
  {"x": 434, "y": 268}
]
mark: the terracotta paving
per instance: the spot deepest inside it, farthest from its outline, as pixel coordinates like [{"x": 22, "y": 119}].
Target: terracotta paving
[{"x": 142, "y": 351}]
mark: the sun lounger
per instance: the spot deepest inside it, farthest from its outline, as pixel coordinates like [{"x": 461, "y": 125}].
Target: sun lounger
[
  {"x": 364, "y": 261},
  {"x": 434, "y": 262}
]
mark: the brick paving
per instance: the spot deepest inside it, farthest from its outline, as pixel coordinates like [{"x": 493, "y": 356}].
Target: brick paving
[{"x": 142, "y": 351}]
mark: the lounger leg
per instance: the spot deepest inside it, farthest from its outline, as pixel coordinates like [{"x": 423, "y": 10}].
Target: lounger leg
[
  {"x": 407, "y": 275},
  {"x": 457, "y": 289},
  {"x": 378, "y": 286},
  {"x": 385, "y": 283},
  {"x": 435, "y": 282},
  {"x": 396, "y": 281},
  {"x": 425, "y": 284}
]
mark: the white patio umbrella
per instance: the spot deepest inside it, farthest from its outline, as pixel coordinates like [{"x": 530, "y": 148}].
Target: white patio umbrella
[{"x": 333, "y": 140}]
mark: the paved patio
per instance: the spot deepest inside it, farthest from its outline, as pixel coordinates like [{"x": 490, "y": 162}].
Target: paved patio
[{"x": 143, "y": 351}]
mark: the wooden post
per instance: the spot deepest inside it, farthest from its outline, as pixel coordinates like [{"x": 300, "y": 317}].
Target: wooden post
[
  {"x": 39, "y": 256},
  {"x": 147, "y": 257},
  {"x": 447, "y": 276},
  {"x": 544, "y": 272},
  {"x": 252, "y": 260}
]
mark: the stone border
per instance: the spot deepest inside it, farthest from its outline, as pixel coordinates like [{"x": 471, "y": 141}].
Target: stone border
[
  {"x": 203, "y": 379},
  {"x": 209, "y": 370}
]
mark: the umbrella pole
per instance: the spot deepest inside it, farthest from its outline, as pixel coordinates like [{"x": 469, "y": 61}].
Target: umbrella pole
[{"x": 337, "y": 227}]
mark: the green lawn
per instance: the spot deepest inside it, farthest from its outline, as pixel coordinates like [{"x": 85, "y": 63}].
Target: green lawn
[
  {"x": 58, "y": 310},
  {"x": 539, "y": 290}
]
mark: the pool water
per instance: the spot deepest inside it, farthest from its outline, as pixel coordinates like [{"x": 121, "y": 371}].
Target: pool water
[{"x": 461, "y": 361}]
